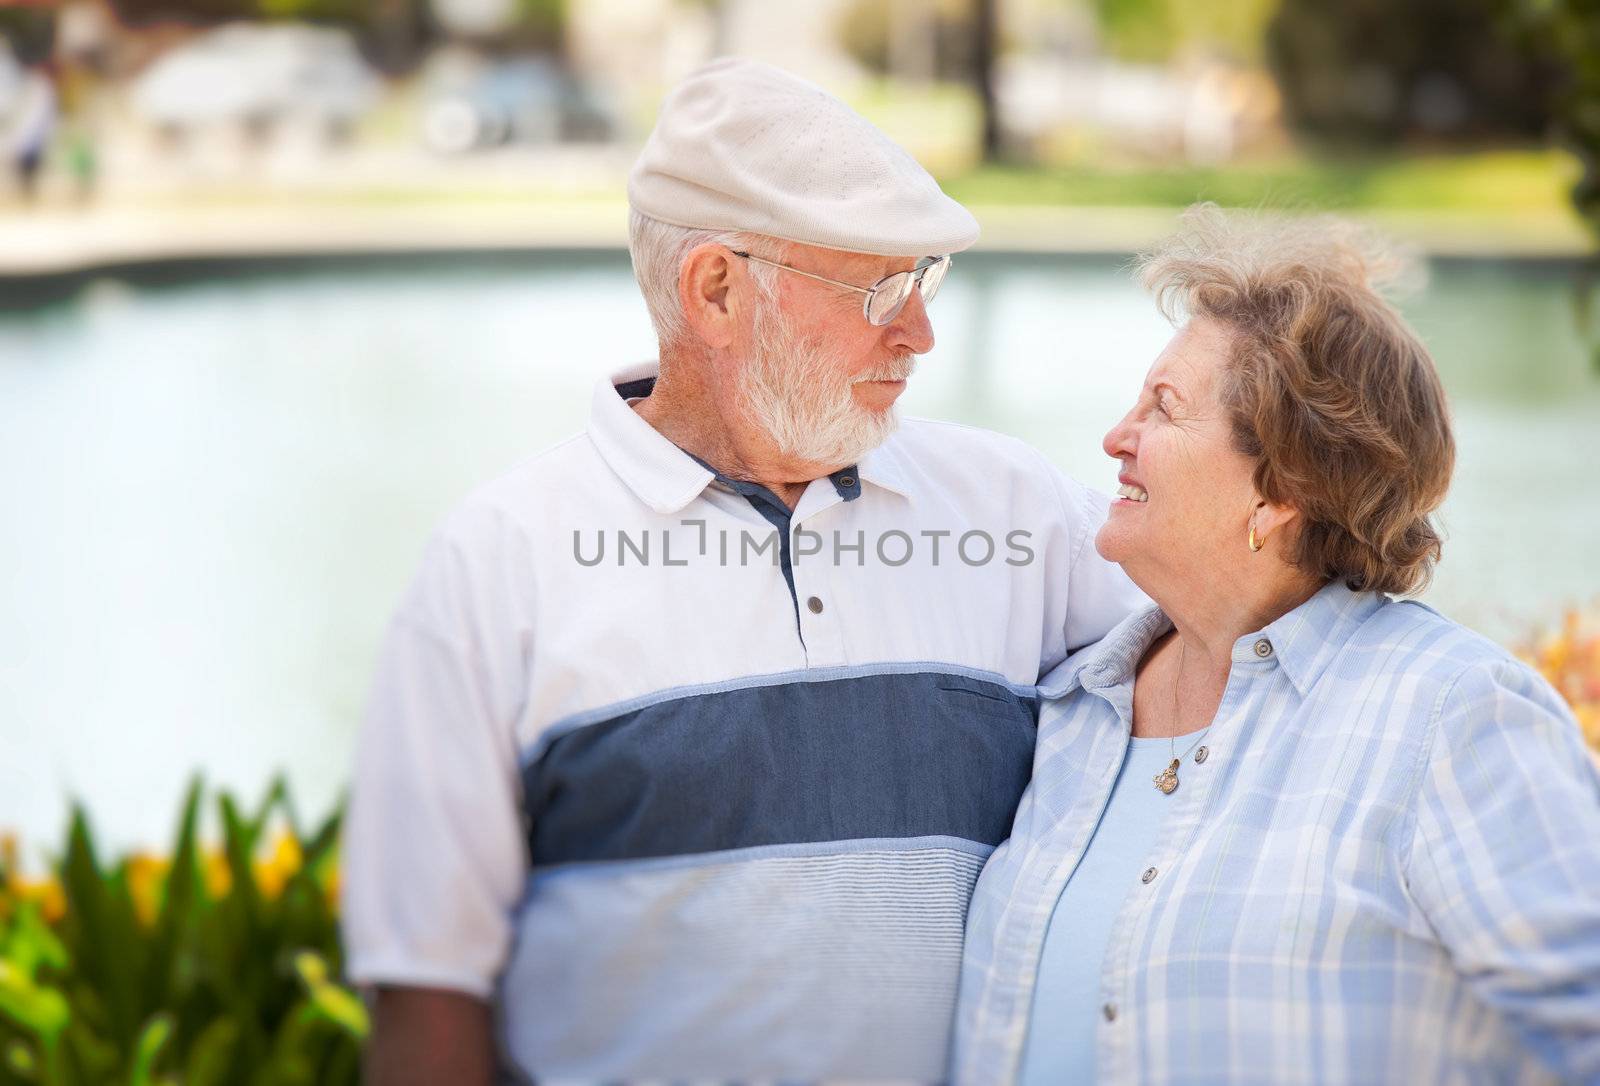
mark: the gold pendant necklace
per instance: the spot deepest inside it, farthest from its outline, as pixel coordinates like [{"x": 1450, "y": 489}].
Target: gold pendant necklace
[{"x": 1167, "y": 779}]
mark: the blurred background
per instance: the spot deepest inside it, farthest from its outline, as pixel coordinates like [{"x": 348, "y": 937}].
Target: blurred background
[{"x": 281, "y": 279}]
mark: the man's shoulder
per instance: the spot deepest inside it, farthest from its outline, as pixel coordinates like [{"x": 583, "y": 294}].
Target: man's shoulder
[
  {"x": 559, "y": 466},
  {"x": 536, "y": 491}
]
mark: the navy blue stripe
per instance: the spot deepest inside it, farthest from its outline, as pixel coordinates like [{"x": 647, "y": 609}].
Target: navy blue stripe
[{"x": 871, "y": 756}]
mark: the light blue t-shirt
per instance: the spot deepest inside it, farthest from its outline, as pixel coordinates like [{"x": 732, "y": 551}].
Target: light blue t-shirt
[{"x": 1066, "y": 998}]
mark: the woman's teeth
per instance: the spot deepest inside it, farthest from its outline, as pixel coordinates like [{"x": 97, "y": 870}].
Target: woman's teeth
[{"x": 1132, "y": 493}]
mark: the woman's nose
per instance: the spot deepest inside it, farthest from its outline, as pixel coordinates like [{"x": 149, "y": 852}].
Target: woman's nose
[{"x": 1122, "y": 439}]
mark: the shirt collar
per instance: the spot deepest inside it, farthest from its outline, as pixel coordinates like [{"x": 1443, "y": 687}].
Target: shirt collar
[
  {"x": 884, "y": 467},
  {"x": 1107, "y": 667},
  {"x": 665, "y": 477},
  {"x": 1305, "y": 641},
  {"x": 1302, "y": 642}
]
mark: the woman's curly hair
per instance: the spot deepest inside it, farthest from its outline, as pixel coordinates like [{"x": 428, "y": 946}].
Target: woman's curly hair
[{"x": 1327, "y": 388}]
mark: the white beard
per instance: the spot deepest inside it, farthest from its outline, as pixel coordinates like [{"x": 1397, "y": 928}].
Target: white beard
[{"x": 798, "y": 394}]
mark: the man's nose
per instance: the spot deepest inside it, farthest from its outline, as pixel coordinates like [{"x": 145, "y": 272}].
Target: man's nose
[{"x": 911, "y": 330}]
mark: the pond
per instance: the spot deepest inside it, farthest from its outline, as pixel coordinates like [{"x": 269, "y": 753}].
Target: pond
[{"x": 219, "y": 480}]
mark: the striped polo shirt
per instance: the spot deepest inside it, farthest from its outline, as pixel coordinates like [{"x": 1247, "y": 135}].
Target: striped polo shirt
[{"x": 693, "y": 785}]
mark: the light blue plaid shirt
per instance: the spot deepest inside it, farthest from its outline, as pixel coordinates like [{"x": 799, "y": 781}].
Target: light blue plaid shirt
[{"x": 1385, "y": 867}]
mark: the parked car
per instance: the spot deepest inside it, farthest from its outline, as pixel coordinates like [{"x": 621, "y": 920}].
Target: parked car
[
  {"x": 472, "y": 102},
  {"x": 258, "y": 77}
]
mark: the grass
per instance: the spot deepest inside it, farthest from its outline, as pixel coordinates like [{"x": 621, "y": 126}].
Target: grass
[{"x": 1502, "y": 181}]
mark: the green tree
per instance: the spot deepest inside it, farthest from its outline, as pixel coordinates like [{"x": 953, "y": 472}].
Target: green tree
[
  {"x": 1569, "y": 32},
  {"x": 1376, "y": 72},
  {"x": 30, "y": 31},
  {"x": 1155, "y": 31}
]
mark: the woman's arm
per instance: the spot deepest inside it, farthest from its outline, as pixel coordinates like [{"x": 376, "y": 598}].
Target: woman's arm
[{"x": 1505, "y": 859}]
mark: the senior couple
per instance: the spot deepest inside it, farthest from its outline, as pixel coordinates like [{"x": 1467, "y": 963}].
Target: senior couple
[{"x": 802, "y": 779}]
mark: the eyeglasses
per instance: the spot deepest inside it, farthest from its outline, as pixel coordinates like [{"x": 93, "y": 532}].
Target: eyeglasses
[{"x": 889, "y": 295}]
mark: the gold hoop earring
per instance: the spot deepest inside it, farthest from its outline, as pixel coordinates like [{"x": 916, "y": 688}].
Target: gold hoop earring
[{"x": 1255, "y": 544}]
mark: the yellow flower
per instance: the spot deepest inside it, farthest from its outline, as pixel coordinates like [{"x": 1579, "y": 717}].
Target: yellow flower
[
  {"x": 1589, "y": 720},
  {"x": 147, "y": 880},
  {"x": 47, "y": 894},
  {"x": 218, "y": 875},
  {"x": 273, "y": 873},
  {"x": 1570, "y": 659}
]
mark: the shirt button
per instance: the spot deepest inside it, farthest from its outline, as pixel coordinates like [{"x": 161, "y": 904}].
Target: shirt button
[
  {"x": 1263, "y": 648},
  {"x": 814, "y": 605},
  {"x": 1110, "y": 1011},
  {"x": 1149, "y": 875},
  {"x": 1201, "y": 755}
]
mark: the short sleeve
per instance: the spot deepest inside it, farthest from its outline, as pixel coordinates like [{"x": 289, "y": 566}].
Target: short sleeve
[
  {"x": 1505, "y": 859},
  {"x": 433, "y": 855}
]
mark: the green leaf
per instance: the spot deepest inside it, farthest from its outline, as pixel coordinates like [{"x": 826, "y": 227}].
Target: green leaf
[
  {"x": 182, "y": 894},
  {"x": 86, "y": 1057},
  {"x": 152, "y": 1039},
  {"x": 341, "y": 1007},
  {"x": 47, "y": 949},
  {"x": 277, "y": 797},
  {"x": 342, "y": 1066},
  {"x": 323, "y": 846},
  {"x": 312, "y": 969},
  {"x": 41, "y": 1010},
  {"x": 330, "y": 1001},
  {"x": 31, "y": 943},
  {"x": 21, "y": 1060},
  {"x": 211, "y": 1057},
  {"x": 239, "y": 839},
  {"x": 102, "y": 934}
]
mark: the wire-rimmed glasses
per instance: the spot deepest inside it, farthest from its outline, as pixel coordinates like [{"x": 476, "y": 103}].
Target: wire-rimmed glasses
[{"x": 885, "y": 298}]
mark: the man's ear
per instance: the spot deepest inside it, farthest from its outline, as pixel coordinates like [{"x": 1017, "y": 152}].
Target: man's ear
[{"x": 706, "y": 286}]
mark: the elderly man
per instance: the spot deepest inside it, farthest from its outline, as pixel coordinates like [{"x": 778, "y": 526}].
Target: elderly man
[{"x": 693, "y": 732}]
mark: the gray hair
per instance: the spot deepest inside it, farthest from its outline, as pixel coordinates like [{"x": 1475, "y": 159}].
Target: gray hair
[{"x": 658, "y": 250}]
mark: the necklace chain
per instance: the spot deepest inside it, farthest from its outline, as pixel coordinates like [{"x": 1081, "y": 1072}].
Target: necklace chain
[
  {"x": 1167, "y": 779},
  {"x": 1172, "y": 744}
]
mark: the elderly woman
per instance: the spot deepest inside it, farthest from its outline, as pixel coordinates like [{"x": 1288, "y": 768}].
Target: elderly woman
[{"x": 1282, "y": 826}]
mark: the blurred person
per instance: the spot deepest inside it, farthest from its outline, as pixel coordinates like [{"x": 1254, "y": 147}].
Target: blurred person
[
  {"x": 1282, "y": 826},
  {"x": 636, "y": 801},
  {"x": 79, "y": 91},
  {"x": 32, "y": 124}
]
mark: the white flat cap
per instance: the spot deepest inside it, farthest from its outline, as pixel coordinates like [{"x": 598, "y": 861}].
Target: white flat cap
[{"x": 745, "y": 146}]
